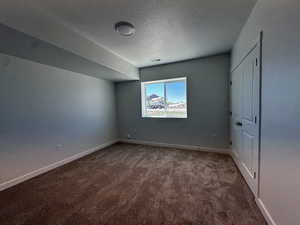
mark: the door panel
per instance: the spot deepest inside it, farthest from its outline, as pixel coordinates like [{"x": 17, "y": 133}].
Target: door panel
[
  {"x": 248, "y": 79},
  {"x": 248, "y": 152},
  {"x": 245, "y": 116},
  {"x": 236, "y": 109}
]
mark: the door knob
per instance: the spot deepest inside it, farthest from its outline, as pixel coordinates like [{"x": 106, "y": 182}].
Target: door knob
[{"x": 239, "y": 124}]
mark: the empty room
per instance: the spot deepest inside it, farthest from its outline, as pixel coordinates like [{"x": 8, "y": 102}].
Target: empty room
[{"x": 157, "y": 112}]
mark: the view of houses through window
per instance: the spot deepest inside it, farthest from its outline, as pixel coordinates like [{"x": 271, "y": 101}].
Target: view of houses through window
[{"x": 164, "y": 98}]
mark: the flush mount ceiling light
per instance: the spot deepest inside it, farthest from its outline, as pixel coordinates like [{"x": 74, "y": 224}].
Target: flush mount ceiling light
[{"x": 124, "y": 28}]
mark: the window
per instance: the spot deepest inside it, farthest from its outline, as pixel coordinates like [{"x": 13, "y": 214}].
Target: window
[{"x": 164, "y": 98}]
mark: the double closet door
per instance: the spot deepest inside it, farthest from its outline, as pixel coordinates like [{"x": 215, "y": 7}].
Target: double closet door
[{"x": 245, "y": 108}]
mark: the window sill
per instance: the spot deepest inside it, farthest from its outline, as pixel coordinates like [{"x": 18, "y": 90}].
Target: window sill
[{"x": 162, "y": 117}]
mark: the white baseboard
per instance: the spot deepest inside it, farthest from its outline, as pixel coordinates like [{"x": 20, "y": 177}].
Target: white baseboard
[
  {"x": 186, "y": 147},
  {"x": 265, "y": 212},
  {"x": 241, "y": 169},
  {"x": 258, "y": 201},
  {"x": 52, "y": 166}
]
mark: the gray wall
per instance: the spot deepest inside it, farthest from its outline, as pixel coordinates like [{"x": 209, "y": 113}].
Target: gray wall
[
  {"x": 42, "y": 107},
  {"x": 280, "y": 146},
  {"x": 207, "y": 96}
]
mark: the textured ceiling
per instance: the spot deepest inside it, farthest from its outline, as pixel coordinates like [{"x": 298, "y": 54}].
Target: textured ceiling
[{"x": 172, "y": 30}]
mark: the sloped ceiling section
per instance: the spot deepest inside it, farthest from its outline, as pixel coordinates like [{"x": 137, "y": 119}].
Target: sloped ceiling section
[{"x": 29, "y": 19}]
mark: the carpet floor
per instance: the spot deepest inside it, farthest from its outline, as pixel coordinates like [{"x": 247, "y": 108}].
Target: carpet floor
[{"x": 135, "y": 185}]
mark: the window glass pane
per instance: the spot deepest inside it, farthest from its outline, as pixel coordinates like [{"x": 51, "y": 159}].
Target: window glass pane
[
  {"x": 176, "y": 99},
  {"x": 164, "y": 98},
  {"x": 154, "y": 101}
]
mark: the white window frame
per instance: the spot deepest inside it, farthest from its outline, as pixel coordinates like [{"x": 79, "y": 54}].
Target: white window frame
[{"x": 165, "y": 81}]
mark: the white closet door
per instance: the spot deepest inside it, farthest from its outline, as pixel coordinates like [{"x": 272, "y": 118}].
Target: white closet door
[{"x": 245, "y": 116}]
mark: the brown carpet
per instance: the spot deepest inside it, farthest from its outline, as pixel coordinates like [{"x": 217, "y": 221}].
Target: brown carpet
[{"x": 135, "y": 185}]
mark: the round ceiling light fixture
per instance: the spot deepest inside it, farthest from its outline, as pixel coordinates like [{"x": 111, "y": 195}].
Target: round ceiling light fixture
[{"x": 124, "y": 28}]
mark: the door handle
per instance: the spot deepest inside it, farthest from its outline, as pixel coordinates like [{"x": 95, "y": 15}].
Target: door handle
[{"x": 239, "y": 124}]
